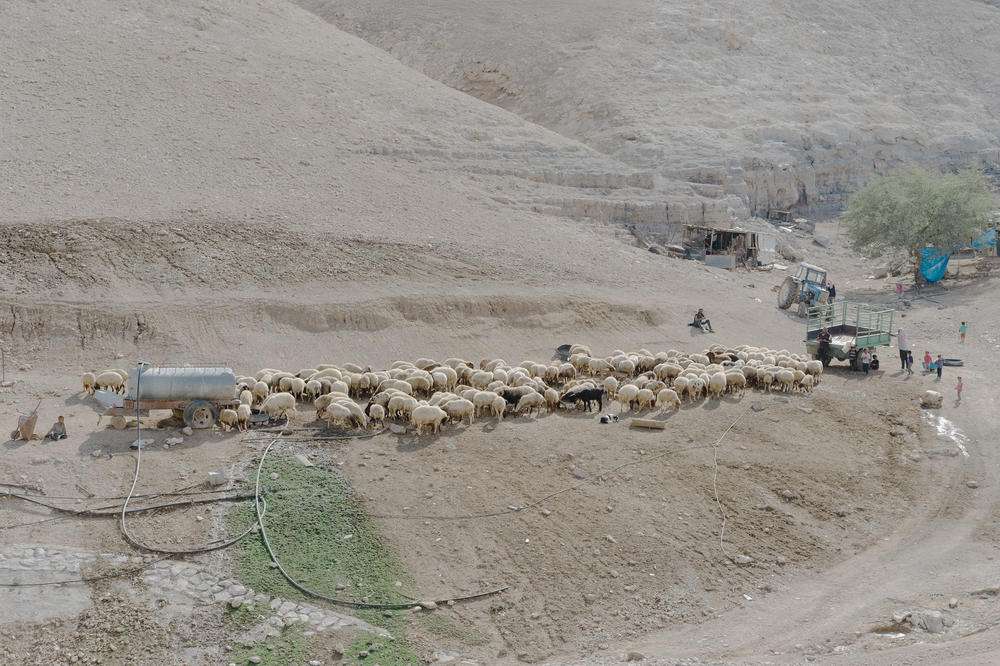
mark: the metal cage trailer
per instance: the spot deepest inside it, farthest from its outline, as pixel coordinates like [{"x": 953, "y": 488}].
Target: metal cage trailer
[
  {"x": 194, "y": 395},
  {"x": 849, "y": 324}
]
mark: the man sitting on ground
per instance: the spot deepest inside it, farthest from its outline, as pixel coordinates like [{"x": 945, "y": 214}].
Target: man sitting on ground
[
  {"x": 58, "y": 430},
  {"x": 701, "y": 321}
]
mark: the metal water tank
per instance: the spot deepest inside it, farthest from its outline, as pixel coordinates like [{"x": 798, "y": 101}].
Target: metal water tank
[{"x": 182, "y": 384}]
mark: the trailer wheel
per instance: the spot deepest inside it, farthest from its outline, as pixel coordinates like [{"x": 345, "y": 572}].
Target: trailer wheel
[
  {"x": 786, "y": 295},
  {"x": 200, "y": 414}
]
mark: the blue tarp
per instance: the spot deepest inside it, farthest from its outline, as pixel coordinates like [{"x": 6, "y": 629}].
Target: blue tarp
[
  {"x": 933, "y": 264},
  {"x": 987, "y": 240}
]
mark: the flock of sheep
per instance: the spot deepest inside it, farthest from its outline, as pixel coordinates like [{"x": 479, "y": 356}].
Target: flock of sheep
[{"x": 428, "y": 393}]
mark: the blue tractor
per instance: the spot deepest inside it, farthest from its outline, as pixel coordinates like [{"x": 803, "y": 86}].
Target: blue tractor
[{"x": 807, "y": 288}]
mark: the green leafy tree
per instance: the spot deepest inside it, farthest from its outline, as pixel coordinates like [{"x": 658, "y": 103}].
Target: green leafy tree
[{"x": 914, "y": 207}]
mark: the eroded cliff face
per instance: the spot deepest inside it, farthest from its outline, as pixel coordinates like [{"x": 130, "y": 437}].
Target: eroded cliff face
[{"x": 760, "y": 106}]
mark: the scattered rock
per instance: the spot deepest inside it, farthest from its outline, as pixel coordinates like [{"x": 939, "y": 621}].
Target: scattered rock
[
  {"x": 953, "y": 603},
  {"x": 580, "y": 473},
  {"x": 236, "y": 602},
  {"x": 972, "y": 484},
  {"x": 757, "y": 406},
  {"x": 743, "y": 560},
  {"x": 428, "y": 605},
  {"x": 611, "y": 539},
  {"x": 787, "y": 494},
  {"x": 254, "y": 659},
  {"x": 187, "y": 431},
  {"x": 806, "y": 410},
  {"x": 96, "y": 453},
  {"x": 635, "y": 656},
  {"x": 397, "y": 429},
  {"x": 780, "y": 398},
  {"x": 932, "y": 622},
  {"x": 273, "y": 476}
]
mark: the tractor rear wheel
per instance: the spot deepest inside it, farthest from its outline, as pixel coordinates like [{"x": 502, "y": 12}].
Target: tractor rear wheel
[{"x": 788, "y": 292}]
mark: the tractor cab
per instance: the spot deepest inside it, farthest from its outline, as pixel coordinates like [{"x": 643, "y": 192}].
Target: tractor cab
[{"x": 807, "y": 287}]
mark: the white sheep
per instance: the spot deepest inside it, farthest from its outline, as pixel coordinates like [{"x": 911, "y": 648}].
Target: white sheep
[
  {"x": 229, "y": 419},
  {"x": 246, "y": 397},
  {"x": 313, "y": 389},
  {"x": 498, "y": 407},
  {"x": 627, "y": 394},
  {"x": 785, "y": 378},
  {"x": 243, "y": 414},
  {"x": 681, "y": 385},
  {"x": 425, "y": 415},
  {"x": 89, "y": 382},
  {"x": 483, "y": 401},
  {"x": 279, "y": 404},
  {"x": 717, "y": 385},
  {"x": 109, "y": 380},
  {"x": 645, "y": 399},
  {"x": 260, "y": 391},
  {"x": 460, "y": 409},
  {"x": 931, "y": 399},
  {"x": 736, "y": 382},
  {"x": 298, "y": 387},
  {"x": 531, "y": 402},
  {"x": 668, "y": 397},
  {"x": 376, "y": 414}
]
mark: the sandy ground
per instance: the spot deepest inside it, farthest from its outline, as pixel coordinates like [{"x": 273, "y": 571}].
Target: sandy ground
[{"x": 242, "y": 183}]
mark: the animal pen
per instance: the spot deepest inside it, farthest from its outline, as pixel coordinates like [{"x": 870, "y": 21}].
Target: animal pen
[{"x": 728, "y": 248}]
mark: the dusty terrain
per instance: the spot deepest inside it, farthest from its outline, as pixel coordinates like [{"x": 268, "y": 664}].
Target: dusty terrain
[{"x": 245, "y": 184}]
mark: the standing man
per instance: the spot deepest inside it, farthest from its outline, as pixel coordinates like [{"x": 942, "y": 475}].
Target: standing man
[
  {"x": 962, "y": 330},
  {"x": 904, "y": 348},
  {"x": 823, "y": 349}
]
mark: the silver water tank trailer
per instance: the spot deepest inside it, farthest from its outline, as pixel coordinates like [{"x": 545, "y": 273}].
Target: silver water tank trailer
[{"x": 182, "y": 384}]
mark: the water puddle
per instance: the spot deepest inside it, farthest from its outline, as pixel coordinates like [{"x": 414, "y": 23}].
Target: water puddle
[{"x": 948, "y": 430}]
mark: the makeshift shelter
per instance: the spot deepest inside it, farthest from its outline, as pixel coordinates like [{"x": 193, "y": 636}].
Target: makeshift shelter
[{"x": 728, "y": 248}]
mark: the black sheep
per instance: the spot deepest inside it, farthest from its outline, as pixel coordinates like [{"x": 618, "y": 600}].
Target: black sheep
[{"x": 587, "y": 395}]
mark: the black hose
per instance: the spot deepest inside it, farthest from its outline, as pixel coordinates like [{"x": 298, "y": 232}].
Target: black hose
[
  {"x": 101, "y": 514},
  {"x": 341, "y": 602}
]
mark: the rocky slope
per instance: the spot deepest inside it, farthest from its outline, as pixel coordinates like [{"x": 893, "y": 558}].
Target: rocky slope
[{"x": 782, "y": 104}]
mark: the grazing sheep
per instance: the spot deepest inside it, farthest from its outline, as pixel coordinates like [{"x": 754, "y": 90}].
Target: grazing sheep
[
  {"x": 531, "y": 402},
  {"x": 279, "y": 404},
  {"x": 586, "y": 395},
  {"x": 551, "y": 398},
  {"x": 425, "y": 415},
  {"x": 498, "y": 407},
  {"x": 717, "y": 385},
  {"x": 627, "y": 395},
  {"x": 645, "y": 399},
  {"x": 785, "y": 378},
  {"x": 931, "y": 399},
  {"x": 243, "y": 414},
  {"x": 376, "y": 414},
  {"x": 298, "y": 387},
  {"x": 668, "y": 397},
  {"x": 681, "y": 386},
  {"x": 459, "y": 410},
  {"x": 313, "y": 389},
  {"x": 806, "y": 384},
  {"x": 89, "y": 382},
  {"x": 736, "y": 382},
  {"x": 483, "y": 401},
  {"x": 229, "y": 419},
  {"x": 260, "y": 391},
  {"x": 246, "y": 397}
]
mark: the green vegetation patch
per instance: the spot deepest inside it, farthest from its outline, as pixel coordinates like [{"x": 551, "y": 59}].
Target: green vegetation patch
[
  {"x": 319, "y": 531},
  {"x": 289, "y": 648}
]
